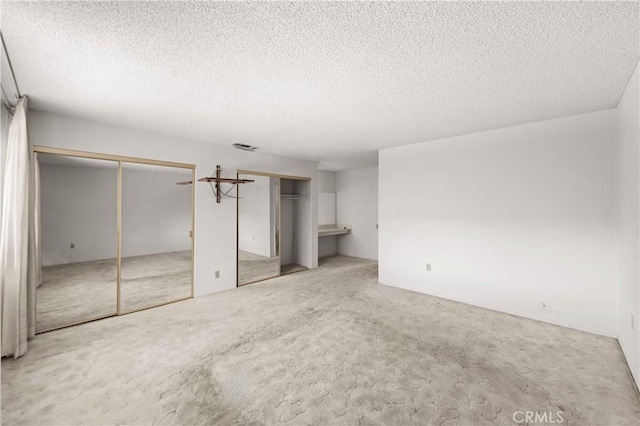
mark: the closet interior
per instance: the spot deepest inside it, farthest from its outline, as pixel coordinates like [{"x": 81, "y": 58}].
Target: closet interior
[
  {"x": 294, "y": 196},
  {"x": 274, "y": 234}
]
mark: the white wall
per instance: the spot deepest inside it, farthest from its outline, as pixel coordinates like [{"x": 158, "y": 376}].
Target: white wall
[
  {"x": 357, "y": 205},
  {"x": 215, "y": 240},
  {"x": 254, "y": 216},
  {"x": 327, "y": 246},
  {"x": 79, "y": 206},
  {"x": 156, "y": 213},
  {"x": 327, "y": 208},
  {"x": 628, "y": 189},
  {"x": 508, "y": 219},
  {"x": 326, "y": 181}
]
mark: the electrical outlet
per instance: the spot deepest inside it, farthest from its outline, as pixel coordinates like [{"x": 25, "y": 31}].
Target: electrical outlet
[
  {"x": 72, "y": 245},
  {"x": 428, "y": 267},
  {"x": 217, "y": 274}
]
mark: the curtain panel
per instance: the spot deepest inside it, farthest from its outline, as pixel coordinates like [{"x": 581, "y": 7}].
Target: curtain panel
[{"x": 19, "y": 237}]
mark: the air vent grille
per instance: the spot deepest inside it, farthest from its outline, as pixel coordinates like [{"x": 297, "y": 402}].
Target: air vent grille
[{"x": 245, "y": 147}]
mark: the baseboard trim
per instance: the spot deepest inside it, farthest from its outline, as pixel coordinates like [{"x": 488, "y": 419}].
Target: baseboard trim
[{"x": 629, "y": 373}]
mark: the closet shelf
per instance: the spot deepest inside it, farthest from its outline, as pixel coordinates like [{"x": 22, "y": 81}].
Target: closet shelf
[
  {"x": 329, "y": 230},
  {"x": 293, "y": 197}
]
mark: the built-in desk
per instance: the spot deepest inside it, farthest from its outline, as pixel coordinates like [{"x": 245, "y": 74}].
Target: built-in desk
[{"x": 334, "y": 229}]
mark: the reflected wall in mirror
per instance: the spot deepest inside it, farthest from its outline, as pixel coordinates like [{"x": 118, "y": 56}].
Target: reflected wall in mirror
[
  {"x": 156, "y": 262},
  {"x": 78, "y": 199},
  {"x": 258, "y": 223}
]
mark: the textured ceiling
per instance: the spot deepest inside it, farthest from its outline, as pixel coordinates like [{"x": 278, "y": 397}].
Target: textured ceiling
[{"x": 322, "y": 81}]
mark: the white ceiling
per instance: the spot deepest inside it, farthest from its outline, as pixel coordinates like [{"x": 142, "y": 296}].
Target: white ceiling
[{"x": 332, "y": 82}]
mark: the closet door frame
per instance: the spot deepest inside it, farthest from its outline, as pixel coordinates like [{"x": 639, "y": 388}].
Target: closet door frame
[
  {"x": 120, "y": 160},
  {"x": 278, "y": 236}
]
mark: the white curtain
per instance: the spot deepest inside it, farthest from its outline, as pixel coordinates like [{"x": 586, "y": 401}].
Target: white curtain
[{"x": 19, "y": 238}]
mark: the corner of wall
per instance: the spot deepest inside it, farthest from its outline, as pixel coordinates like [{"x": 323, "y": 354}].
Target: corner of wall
[
  {"x": 497, "y": 208},
  {"x": 627, "y": 142}
]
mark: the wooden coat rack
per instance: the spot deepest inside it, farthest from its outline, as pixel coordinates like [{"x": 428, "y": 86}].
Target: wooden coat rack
[{"x": 218, "y": 179}]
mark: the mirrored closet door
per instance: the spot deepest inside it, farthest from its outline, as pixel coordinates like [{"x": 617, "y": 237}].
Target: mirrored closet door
[
  {"x": 79, "y": 240},
  {"x": 258, "y": 243},
  {"x": 273, "y": 226},
  {"x": 116, "y": 235},
  {"x": 156, "y": 242}
]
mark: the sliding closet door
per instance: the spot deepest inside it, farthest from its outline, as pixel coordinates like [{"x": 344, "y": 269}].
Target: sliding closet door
[
  {"x": 156, "y": 228},
  {"x": 79, "y": 240}
]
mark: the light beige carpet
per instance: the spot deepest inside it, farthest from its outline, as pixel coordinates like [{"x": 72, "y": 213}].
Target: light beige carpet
[
  {"x": 76, "y": 292},
  {"x": 154, "y": 279},
  {"x": 81, "y": 291},
  {"x": 253, "y": 267},
  {"x": 292, "y": 268},
  {"x": 324, "y": 346}
]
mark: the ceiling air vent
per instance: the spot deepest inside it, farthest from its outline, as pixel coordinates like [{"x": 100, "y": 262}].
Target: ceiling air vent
[{"x": 245, "y": 147}]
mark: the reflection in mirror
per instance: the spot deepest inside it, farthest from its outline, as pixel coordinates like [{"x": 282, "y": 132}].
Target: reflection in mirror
[
  {"x": 79, "y": 240},
  {"x": 155, "y": 242},
  {"x": 258, "y": 222}
]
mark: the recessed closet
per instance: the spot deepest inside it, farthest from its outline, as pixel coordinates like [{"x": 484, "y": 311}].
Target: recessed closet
[{"x": 274, "y": 233}]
